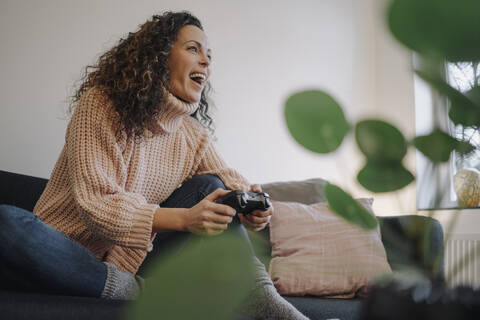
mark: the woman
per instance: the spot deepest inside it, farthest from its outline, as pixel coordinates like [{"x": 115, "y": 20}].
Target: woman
[{"x": 136, "y": 134}]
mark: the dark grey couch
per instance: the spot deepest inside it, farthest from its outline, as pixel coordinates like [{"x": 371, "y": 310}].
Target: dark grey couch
[{"x": 23, "y": 191}]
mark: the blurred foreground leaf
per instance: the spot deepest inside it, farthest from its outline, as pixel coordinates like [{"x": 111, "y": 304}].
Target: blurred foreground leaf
[
  {"x": 444, "y": 28},
  {"x": 462, "y": 109},
  {"x": 316, "y": 121},
  {"x": 384, "y": 177},
  {"x": 380, "y": 141},
  {"x": 437, "y": 146},
  {"x": 208, "y": 279},
  {"x": 464, "y": 147},
  {"x": 474, "y": 95},
  {"x": 346, "y": 207}
]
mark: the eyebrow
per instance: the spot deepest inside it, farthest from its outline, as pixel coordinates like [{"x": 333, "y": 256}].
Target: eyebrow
[{"x": 199, "y": 44}]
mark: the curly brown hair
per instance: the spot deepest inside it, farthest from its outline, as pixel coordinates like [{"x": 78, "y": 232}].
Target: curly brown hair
[{"x": 133, "y": 72}]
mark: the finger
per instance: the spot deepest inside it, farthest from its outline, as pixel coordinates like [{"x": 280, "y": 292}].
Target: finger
[
  {"x": 215, "y": 233},
  {"x": 260, "y": 228},
  {"x": 261, "y": 213},
  {"x": 222, "y": 209},
  {"x": 211, "y": 232},
  {"x": 220, "y": 218},
  {"x": 216, "y": 194},
  {"x": 256, "y": 188},
  {"x": 244, "y": 219},
  {"x": 252, "y": 226},
  {"x": 257, "y": 220},
  {"x": 245, "y": 222},
  {"x": 209, "y": 226}
]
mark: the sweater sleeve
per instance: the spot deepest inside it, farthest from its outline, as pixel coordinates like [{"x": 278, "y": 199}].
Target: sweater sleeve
[
  {"x": 98, "y": 173},
  {"x": 212, "y": 163}
]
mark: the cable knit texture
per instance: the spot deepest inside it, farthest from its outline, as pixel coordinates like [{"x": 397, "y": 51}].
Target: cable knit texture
[{"x": 105, "y": 188}]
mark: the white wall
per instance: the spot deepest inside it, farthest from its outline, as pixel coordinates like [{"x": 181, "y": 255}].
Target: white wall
[
  {"x": 394, "y": 102},
  {"x": 263, "y": 52}
]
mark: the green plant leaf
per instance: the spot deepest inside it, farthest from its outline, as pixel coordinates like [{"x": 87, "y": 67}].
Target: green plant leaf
[
  {"x": 316, "y": 121},
  {"x": 474, "y": 95},
  {"x": 462, "y": 109},
  {"x": 208, "y": 279},
  {"x": 444, "y": 28},
  {"x": 346, "y": 207},
  {"x": 379, "y": 141},
  {"x": 464, "y": 147},
  {"x": 437, "y": 146},
  {"x": 466, "y": 114},
  {"x": 384, "y": 177}
]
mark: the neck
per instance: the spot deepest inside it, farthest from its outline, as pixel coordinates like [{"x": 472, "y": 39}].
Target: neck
[{"x": 172, "y": 113}]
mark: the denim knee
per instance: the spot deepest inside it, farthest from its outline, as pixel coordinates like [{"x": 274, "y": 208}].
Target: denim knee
[
  {"x": 11, "y": 215},
  {"x": 206, "y": 184},
  {"x": 11, "y": 221},
  {"x": 5, "y": 212},
  {"x": 14, "y": 222}
]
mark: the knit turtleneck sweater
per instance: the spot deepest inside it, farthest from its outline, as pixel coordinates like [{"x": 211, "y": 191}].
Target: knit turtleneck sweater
[{"x": 105, "y": 188}]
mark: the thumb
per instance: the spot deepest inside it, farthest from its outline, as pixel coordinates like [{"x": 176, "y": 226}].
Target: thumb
[
  {"x": 256, "y": 188},
  {"x": 216, "y": 194}
]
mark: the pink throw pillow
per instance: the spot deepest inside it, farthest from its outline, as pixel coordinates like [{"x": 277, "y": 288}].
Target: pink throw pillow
[{"x": 316, "y": 252}]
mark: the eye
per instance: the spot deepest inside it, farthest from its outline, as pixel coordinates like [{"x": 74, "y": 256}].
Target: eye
[{"x": 193, "y": 49}]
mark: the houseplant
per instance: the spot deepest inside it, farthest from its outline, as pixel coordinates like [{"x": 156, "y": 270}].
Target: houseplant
[
  {"x": 437, "y": 31},
  {"x": 318, "y": 123}
]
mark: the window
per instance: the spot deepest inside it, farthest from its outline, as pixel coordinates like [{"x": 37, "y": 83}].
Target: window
[
  {"x": 435, "y": 187},
  {"x": 463, "y": 77}
]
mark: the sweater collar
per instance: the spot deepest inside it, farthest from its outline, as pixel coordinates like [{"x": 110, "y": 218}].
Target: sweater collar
[{"x": 172, "y": 113}]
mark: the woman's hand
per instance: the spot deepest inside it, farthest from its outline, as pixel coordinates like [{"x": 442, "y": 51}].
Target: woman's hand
[
  {"x": 208, "y": 217},
  {"x": 257, "y": 220}
]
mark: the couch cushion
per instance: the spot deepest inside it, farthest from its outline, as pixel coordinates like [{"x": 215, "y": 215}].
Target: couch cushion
[
  {"x": 303, "y": 191},
  {"x": 14, "y": 305},
  {"x": 314, "y": 251},
  {"x": 321, "y": 308}
]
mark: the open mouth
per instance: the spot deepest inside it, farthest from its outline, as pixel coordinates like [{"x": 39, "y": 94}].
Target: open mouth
[{"x": 198, "y": 78}]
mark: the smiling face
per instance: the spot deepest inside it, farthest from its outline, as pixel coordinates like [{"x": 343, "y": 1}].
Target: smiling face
[{"x": 189, "y": 64}]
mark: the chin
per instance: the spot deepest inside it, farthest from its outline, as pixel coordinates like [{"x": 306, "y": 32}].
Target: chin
[
  {"x": 193, "y": 99},
  {"x": 188, "y": 97}
]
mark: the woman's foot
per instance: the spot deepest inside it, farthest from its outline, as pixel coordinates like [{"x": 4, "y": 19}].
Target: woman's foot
[{"x": 121, "y": 285}]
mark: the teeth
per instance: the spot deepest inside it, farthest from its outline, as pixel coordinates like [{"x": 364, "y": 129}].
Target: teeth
[{"x": 198, "y": 75}]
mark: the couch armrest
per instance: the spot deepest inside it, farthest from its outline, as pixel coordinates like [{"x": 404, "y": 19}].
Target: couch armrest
[
  {"x": 404, "y": 241},
  {"x": 20, "y": 190}
]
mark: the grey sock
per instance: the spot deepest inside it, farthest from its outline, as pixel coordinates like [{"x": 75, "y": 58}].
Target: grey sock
[
  {"x": 266, "y": 303},
  {"x": 121, "y": 285}
]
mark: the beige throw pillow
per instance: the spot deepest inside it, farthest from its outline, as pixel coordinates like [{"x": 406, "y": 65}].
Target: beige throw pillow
[
  {"x": 304, "y": 191},
  {"x": 316, "y": 252}
]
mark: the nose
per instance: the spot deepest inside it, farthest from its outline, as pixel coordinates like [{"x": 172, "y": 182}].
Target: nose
[{"x": 204, "y": 61}]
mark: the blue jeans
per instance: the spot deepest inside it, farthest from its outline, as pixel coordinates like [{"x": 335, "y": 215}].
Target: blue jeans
[
  {"x": 35, "y": 257},
  {"x": 189, "y": 194}
]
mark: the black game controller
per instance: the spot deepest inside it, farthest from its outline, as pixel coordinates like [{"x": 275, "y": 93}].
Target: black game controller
[{"x": 246, "y": 202}]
